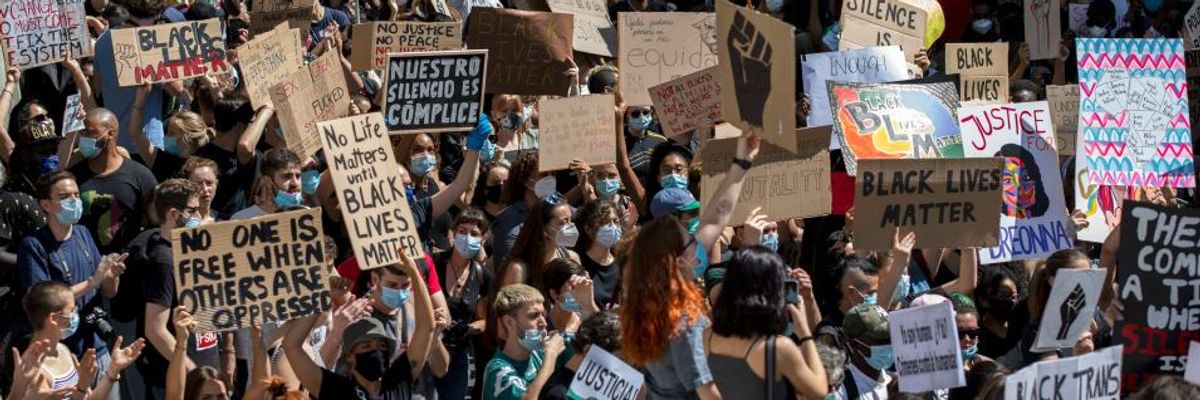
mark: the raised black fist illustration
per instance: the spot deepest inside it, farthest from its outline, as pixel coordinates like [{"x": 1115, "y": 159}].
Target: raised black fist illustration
[
  {"x": 1069, "y": 310},
  {"x": 750, "y": 61}
]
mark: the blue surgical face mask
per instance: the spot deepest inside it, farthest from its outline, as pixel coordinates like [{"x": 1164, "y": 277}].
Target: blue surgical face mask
[
  {"x": 770, "y": 241},
  {"x": 830, "y": 37},
  {"x": 982, "y": 25},
  {"x": 394, "y": 298},
  {"x": 171, "y": 146},
  {"x": 970, "y": 352},
  {"x": 701, "y": 261},
  {"x": 88, "y": 147},
  {"x": 673, "y": 181},
  {"x": 192, "y": 222},
  {"x": 510, "y": 121},
  {"x": 69, "y": 211},
  {"x": 870, "y": 300},
  {"x": 531, "y": 339},
  {"x": 284, "y": 199},
  {"x": 774, "y": 5},
  {"x": 309, "y": 180},
  {"x": 467, "y": 246},
  {"x": 693, "y": 225},
  {"x": 568, "y": 303},
  {"x": 1152, "y": 5},
  {"x": 640, "y": 123},
  {"x": 72, "y": 326},
  {"x": 881, "y": 357},
  {"x": 606, "y": 188},
  {"x": 422, "y": 165},
  {"x": 903, "y": 288},
  {"x": 608, "y": 236}
]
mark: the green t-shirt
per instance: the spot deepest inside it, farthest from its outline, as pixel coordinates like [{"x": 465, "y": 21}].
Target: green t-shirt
[{"x": 508, "y": 379}]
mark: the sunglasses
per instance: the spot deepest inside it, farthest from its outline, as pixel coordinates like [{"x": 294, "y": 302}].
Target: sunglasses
[
  {"x": 964, "y": 333},
  {"x": 40, "y": 118},
  {"x": 640, "y": 113}
]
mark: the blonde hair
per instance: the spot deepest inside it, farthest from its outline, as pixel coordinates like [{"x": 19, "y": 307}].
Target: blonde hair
[
  {"x": 193, "y": 128},
  {"x": 512, "y": 297}
]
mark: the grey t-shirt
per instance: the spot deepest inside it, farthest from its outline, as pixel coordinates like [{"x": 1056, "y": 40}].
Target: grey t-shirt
[{"x": 683, "y": 369}]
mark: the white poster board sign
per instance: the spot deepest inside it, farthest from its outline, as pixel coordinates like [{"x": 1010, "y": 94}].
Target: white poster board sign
[
  {"x": 603, "y": 376},
  {"x": 1068, "y": 312},
  {"x": 869, "y": 65},
  {"x": 1093, "y": 376},
  {"x": 927, "y": 351},
  {"x": 1192, "y": 372}
]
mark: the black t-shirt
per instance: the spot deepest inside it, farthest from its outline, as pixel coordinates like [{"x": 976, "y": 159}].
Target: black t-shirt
[
  {"x": 559, "y": 384},
  {"x": 113, "y": 204},
  {"x": 436, "y": 237},
  {"x": 462, "y": 307},
  {"x": 397, "y": 384},
  {"x": 422, "y": 212},
  {"x": 605, "y": 280},
  {"x": 167, "y": 166},
  {"x": 234, "y": 180}
]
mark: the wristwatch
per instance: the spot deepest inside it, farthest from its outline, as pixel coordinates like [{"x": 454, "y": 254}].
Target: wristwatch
[{"x": 744, "y": 163}]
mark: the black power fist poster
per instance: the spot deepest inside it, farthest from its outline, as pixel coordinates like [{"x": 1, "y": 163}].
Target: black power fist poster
[{"x": 757, "y": 73}]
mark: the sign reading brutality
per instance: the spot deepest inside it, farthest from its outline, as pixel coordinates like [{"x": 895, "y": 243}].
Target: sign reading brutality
[
  {"x": 757, "y": 73},
  {"x": 929, "y": 197},
  {"x": 169, "y": 52},
  {"x": 576, "y": 128},
  {"x": 40, "y": 32},
  {"x": 688, "y": 103},
  {"x": 434, "y": 91},
  {"x": 372, "y": 42},
  {"x": 659, "y": 47},
  {"x": 1158, "y": 276},
  {"x": 926, "y": 346},
  {"x": 983, "y": 69},
  {"x": 1093, "y": 376},
  {"x": 888, "y": 121},
  {"x": 530, "y": 50},
  {"x": 238, "y": 274},
  {"x": 783, "y": 183},
  {"x": 1033, "y": 220},
  {"x": 369, "y": 189}
]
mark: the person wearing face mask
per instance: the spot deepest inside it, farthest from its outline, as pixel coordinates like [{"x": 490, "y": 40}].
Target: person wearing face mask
[
  {"x": 64, "y": 251},
  {"x": 514, "y": 134},
  {"x": 422, "y": 162},
  {"x": 603, "y": 183},
  {"x": 116, "y": 189},
  {"x": 465, "y": 282},
  {"x": 51, "y": 310},
  {"x": 528, "y": 355},
  {"x": 602, "y": 222},
  {"x": 234, "y": 148},
  {"x": 547, "y": 233},
  {"x": 378, "y": 365},
  {"x": 852, "y": 281},
  {"x": 671, "y": 165},
  {"x": 997, "y": 296},
  {"x": 870, "y": 354},
  {"x": 966, "y": 318},
  {"x": 185, "y": 133},
  {"x": 489, "y": 190},
  {"x": 36, "y": 146},
  {"x": 280, "y": 186},
  {"x": 568, "y": 287},
  {"x": 640, "y": 139},
  {"x": 523, "y": 189},
  {"x": 177, "y": 202}
]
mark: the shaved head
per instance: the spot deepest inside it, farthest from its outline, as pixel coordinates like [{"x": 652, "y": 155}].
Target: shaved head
[{"x": 101, "y": 116}]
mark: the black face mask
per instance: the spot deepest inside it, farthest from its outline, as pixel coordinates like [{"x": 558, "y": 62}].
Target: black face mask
[
  {"x": 494, "y": 192},
  {"x": 371, "y": 365},
  {"x": 1002, "y": 307}
]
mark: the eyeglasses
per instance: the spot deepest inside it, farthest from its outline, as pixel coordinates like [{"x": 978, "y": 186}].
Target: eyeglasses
[
  {"x": 40, "y": 118},
  {"x": 964, "y": 333}
]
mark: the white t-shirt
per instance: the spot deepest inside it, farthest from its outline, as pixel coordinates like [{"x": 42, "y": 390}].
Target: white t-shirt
[{"x": 868, "y": 389}]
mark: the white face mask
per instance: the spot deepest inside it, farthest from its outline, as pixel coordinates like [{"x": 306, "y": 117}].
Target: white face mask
[
  {"x": 567, "y": 235},
  {"x": 545, "y": 187}
]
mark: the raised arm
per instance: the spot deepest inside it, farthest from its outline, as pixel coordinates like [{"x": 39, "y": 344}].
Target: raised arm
[
  {"x": 141, "y": 143},
  {"x": 176, "y": 370},
  {"x": 629, "y": 178},
  {"x": 86, "y": 97},
  {"x": 261, "y": 370},
  {"x": 718, "y": 213},
  {"x": 162, "y": 341},
  {"x": 250, "y": 137},
  {"x": 301, "y": 362},
  {"x": 418, "y": 350},
  {"x": 1108, "y": 261},
  {"x": 10, "y": 86},
  {"x": 444, "y": 199},
  {"x": 800, "y": 363},
  {"x": 895, "y": 265}
]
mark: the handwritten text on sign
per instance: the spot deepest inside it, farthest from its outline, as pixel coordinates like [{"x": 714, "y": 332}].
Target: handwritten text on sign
[
  {"x": 1093, "y": 376},
  {"x": 783, "y": 183},
  {"x": 983, "y": 68},
  {"x": 658, "y": 47},
  {"x": 577, "y": 128},
  {"x": 928, "y": 197},
  {"x": 372, "y": 42},
  {"x": 1158, "y": 277},
  {"x": 266, "y": 60},
  {"x": 40, "y": 32},
  {"x": 927, "y": 350},
  {"x": 237, "y": 274},
  {"x": 369, "y": 189},
  {"x": 169, "y": 52},
  {"x": 691, "y": 102},
  {"x": 530, "y": 51},
  {"x": 434, "y": 91},
  {"x": 604, "y": 376}
]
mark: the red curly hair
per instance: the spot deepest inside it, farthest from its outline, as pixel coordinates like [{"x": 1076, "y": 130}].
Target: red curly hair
[{"x": 647, "y": 321}]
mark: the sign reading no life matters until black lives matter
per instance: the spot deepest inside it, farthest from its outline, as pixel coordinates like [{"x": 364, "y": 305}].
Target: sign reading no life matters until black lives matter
[
  {"x": 1158, "y": 279},
  {"x": 438, "y": 91},
  {"x": 40, "y": 32},
  {"x": 238, "y": 274},
  {"x": 369, "y": 189}
]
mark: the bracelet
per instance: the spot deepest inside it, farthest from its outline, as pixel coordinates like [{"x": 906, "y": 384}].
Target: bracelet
[
  {"x": 803, "y": 339},
  {"x": 743, "y": 163},
  {"x": 108, "y": 374}
]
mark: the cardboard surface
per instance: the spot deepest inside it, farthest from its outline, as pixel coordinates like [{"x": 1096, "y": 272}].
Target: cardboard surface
[
  {"x": 529, "y": 52},
  {"x": 594, "y": 32},
  {"x": 40, "y": 32},
  {"x": 1064, "y": 111},
  {"x": 890, "y": 121},
  {"x": 659, "y": 47},
  {"x": 169, "y": 52},
  {"x": 983, "y": 68},
  {"x": 268, "y": 59},
  {"x": 784, "y": 184},
  {"x": 691, "y": 102},
  {"x": 1043, "y": 28},
  {"x": 373, "y": 41},
  {"x": 580, "y": 128},
  {"x": 757, "y": 73},
  {"x": 267, "y": 14}
]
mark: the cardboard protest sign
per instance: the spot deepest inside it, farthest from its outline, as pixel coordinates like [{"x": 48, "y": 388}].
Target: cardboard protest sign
[
  {"x": 868, "y": 65},
  {"x": 369, "y": 189},
  {"x": 265, "y": 15},
  {"x": 1064, "y": 112},
  {"x": 1157, "y": 279},
  {"x": 73, "y": 114},
  {"x": 1191, "y": 26},
  {"x": 169, "y": 52},
  {"x": 530, "y": 51},
  {"x": 1093, "y": 376},
  {"x": 310, "y": 95},
  {"x": 372, "y": 42},
  {"x": 40, "y": 32},
  {"x": 1043, "y": 29},
  {"x": 594, "y": 32},
  {"x": 603, "y": 376},
  {"x": 580, "y": 127},
  {"x": 910, "y": 24},
  {"x": 238, "y": 274},
  {"x": 757, "y": 73},
  {"x": 659, "y": 47},
  {"x": 929, "y": 197},
  {"x": 1077, "y": 17},
  {"x": 1133, "y": 116},
  {"x": 983, "y": 69},
  {"x": 783, "y": 183},
  {"x": 1192, "y": 372},
  {"x": 1069, "y": 310},
  {"x": 266, "y": 60},
  {"x": 434, "y": 91},
  {"x": 925, "y": 341},
  {"x": 1033, "y": 221},
  {"x": 691, "y": 102},
  {"x": 891, "y": 121}
]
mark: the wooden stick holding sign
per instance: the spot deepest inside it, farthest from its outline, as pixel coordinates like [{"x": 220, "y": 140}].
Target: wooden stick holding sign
[
  {"x": 238, "y": 274},
  {"x": 369, "y": 189},
  {"x": 757, "y": 73}
]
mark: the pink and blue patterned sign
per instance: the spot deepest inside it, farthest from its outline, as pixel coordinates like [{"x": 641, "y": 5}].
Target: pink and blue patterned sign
[{"x": 1133, "y": 112}]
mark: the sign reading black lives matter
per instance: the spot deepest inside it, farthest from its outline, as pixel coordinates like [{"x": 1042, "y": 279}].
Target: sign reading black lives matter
[
  {"x": 440, "y": 91},
  {"x": 238, "y": 274},
  {"x": 1158, "y": 277},
  {"x": 367, "y": 178}
]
